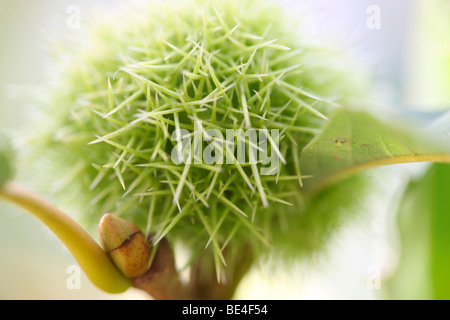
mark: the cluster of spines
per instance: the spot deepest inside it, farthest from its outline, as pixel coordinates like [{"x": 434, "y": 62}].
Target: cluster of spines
[{"x": 228, "y": 76}]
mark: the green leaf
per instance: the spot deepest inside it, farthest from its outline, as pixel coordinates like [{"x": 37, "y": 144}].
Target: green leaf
[
  {"x": 424, "y": 222},
  {"x": 6, "y": 169},
  {"x": 440, "y": 225},
  {"x": 353, "y": 141}
]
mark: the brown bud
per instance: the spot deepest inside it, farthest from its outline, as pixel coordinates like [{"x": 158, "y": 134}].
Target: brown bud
[{"x": 125, "y": 244}]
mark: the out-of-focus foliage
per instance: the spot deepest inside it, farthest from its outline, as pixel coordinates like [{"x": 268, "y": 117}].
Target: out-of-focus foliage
[
  {"x": 6, "y": 168},
  {"x": 424, "y": 214},
  {"x": 428, "y": 56},
  {"x": 424, "y": 224}
]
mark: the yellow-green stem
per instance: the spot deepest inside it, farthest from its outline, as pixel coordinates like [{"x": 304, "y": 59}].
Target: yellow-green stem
[
  {"x": 336, "y": 176},
  {"x": 90, "y": 256}
]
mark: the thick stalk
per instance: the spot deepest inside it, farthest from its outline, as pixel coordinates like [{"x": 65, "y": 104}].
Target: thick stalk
[
  {"x": 162, "y": 280},
  {"x": 89, "y": 255},
  {"x": 204, "y": 284}
]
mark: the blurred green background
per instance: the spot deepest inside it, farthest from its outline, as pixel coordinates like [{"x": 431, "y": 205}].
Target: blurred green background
[{"x": 411, "y": 55}]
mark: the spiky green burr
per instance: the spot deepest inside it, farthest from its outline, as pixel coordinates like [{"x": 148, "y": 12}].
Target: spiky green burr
[{"x": 229, "y": 64}]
